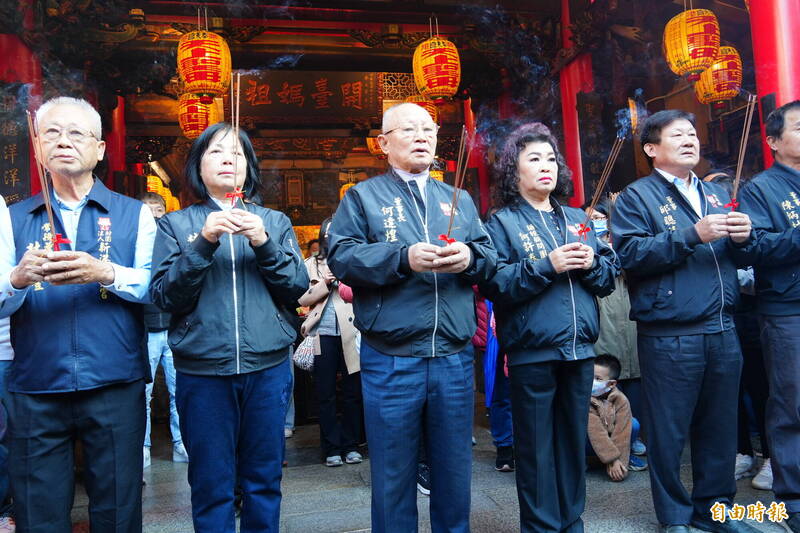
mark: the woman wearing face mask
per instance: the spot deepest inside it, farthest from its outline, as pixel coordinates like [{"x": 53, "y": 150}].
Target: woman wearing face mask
[
  {"x": 330, "y": 320},
  {"x": 226, "y": 274},
  {"x": 544, "y": 289}
]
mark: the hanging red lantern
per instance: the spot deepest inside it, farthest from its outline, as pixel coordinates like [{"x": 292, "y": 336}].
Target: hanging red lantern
[
  {"x": 204, "y": 64},
  {"x": 691, "y": 42},
  {"x": 425, "y": 103},
  {"x": 195, "y": 116},
  {"x": 437, "y": 68},
  {"x": 722, "y": 80}
]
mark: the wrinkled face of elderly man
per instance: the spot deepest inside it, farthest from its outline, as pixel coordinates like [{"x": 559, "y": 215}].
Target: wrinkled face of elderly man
[
  {"x": 409, "y": 138},
  {"x": 69, "y": 146}
]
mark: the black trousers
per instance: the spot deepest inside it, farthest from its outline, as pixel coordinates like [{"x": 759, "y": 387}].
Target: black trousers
[
  {"x": 109, "y": 421},
  {"x": 550, "y": 410},
  {"x": 337, "y": 438},
  {"x": 753, "y": 384},
  {"x": 691, "y": 387}
]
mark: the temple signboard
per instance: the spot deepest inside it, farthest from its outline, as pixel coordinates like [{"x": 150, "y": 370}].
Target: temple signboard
[
  {"x": 279, "y": 96},
  {"x": 14, "y": 159}
]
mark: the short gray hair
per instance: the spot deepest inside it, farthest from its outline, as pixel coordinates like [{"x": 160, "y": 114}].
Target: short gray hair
[
  {"x": 389, "y": 114},
  {"x": 96, "y": 126}
]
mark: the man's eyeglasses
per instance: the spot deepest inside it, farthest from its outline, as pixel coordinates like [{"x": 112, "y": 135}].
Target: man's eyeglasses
[
  {"x": 409, "y": 131},
  {"x": 74, "y": 134}
]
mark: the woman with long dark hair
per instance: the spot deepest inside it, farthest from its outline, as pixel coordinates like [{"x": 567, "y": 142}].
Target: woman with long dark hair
[
  {"x": 336, "y": 341},
  {"x": 548, "y": 274},
  {"x": 226, "y": 268}
]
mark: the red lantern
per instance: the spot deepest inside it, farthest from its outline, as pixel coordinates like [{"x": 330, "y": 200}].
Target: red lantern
[
  {"x": 691, "y": 42},
  {"x": 437, "y": 68},
  {"x": 722, "y": 80},
  {"x": 204, "y": 64},
  {"x": 195, "y": 116}
]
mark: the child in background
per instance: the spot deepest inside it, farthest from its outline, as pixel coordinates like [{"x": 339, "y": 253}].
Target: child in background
[{"x": 612, "y": 428}]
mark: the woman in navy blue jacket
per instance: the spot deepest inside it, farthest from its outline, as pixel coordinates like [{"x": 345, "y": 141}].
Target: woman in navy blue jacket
[{"x": 547, "y": 321}]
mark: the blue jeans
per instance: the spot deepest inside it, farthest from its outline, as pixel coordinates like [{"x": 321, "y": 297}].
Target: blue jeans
[
  {"x": 4, "y": 483},
  {"x": 288, "y": 423},
  {"x": 500, "y": 409},
  {"x": 401, "y": 396},
  {"x": 158, "y": 352},
  {"x": 232, "y": 427}
]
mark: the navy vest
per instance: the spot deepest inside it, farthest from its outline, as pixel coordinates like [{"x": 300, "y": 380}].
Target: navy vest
[{"x": 77, "y": 337}]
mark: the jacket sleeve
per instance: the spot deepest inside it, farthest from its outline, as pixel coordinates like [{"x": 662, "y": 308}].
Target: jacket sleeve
[
  {"x": 482, "y": 317},
  {"x": 602, "y": 444},
  {"x": 600, "y": 279},
  {"x": 772, "y": 247},
  {"x": 641, "y": 251},
  {"x": 317, "y": 292},
  {"x": 484, "y": 255},
  {"x": 280, "y": 263},
  {"x": 178, "y": 275},
  {"x": 514, "y": 282},
  {"x": 623, "y": 422},
  {"x": 355, "y": 260}
]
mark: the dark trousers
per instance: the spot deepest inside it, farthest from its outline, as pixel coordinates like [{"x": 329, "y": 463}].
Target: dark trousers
[
  {"x": 781, "y": 341},
  {"x": 109, "y": 422},
  {"x": 550, "y": 406},
  {"x": 500, "y": 409},
  {"x": 337, "y": 438},
  {"x": 232, "y": 427},
  {"x": 753, "y": 384},
  {"x": 691, "y": 386},
  {"x": 400, "y": 395}
]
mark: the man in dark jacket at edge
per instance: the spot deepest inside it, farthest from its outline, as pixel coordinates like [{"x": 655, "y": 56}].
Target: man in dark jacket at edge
[
  {"x": 772, "y": 199},
  {"x": 674, "y": 236},
  {"x": 413, "y": 303}
]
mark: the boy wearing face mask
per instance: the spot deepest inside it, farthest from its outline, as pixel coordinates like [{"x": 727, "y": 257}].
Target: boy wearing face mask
[{"x": 612, "y": 428}]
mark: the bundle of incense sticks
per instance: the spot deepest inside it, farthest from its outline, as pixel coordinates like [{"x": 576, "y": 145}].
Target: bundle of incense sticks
[
  {"x": 464, "y": 145},
  {"x": 58, "y": 239},
  {"x": 748, "y": 118},
  {"x": 235, "y": 94},
  {"x": 601, "y": 184}
]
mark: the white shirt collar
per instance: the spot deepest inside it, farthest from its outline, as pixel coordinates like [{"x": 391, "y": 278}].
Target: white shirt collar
[
  {"x": 225, "y": 206},
  {"x": 672, "y": 178},
  {"x": 407, "y": 176}
]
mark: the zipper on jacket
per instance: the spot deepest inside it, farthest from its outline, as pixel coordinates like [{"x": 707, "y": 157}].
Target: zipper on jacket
[
  {"x": 569, "y": 279},
  {"x": 704, "y": 199},
  {"x": 424, "y": 221},
  {"x": 235, "y": 302}
]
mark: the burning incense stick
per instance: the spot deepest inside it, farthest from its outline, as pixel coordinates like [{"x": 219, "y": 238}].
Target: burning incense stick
[
  {"x": 58, "y": 239},
  {"x": 465, "y": 144},
  {"x": 235, "y": 95},
  {"x": 601, "y": 184},
  {"x": 748, "y": 118}
]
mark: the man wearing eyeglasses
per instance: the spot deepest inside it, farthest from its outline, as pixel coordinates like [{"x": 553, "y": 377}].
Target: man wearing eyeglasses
[
  {"x": 76, "y": 329},
  {"x": 413, "y": 303}
]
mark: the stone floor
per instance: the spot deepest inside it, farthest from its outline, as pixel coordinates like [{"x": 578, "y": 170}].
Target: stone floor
[{"x": 319, "y": 499}]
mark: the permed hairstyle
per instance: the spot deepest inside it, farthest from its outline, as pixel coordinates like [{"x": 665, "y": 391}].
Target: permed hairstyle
[
  {"x": 96, "y": 124},
  {"x": 506, "y": 164},
  {"x": 252, "y": 181},
  {"x": 776, "y": 121},
  {"x": 611, "y": 363},
  {"x": 650, "y": 129}
]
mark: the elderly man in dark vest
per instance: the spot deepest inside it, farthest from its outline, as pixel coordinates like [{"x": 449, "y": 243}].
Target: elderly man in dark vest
[{"x": 76, "y": 327}]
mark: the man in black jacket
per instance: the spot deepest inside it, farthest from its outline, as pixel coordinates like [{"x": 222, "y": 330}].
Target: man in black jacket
[
  {"x": 413, "y": 303},
  {"x": 772, "y": 199},
  {"x": 674, "y": 236}
]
